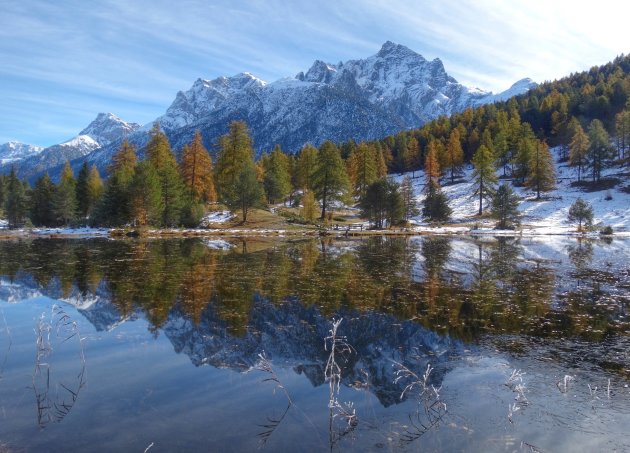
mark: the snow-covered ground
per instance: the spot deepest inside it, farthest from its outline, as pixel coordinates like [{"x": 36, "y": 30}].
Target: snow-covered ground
[
  {"x": 546, "y": 216},
  {"x": 216, "y": 217},
  {"x": 83, "y": 232}
]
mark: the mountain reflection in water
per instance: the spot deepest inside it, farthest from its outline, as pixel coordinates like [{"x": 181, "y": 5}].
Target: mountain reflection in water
[{"x": 405, "y": 302}]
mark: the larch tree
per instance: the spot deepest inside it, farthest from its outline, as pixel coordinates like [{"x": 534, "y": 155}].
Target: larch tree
[
  {"x": 454, "y": 155},
  {"x": 115, "y": 208},
  {"x": 197, "y": 172},
  {"x": 362, "y": 168},
  {"x": 413, "y": 156},
  {"x": 431, "y": 164},
  {"x": 526, "y": 146},
  {"x": 541, "y": 175},
  {"x": 330, "y": 180},
  {"x": 235, "y": 152},
  {"x": 65, "y": 200},
  {"x": 306, "y": 164},
  {"x": 247, "y": 191},
  {"x": 578, "y": 149},
  {"x": 146, "y": 203},
  {"x": 410, "y": 208},
  {"x": 599, "y": 150},
  {"x": 484, "y": 175},
  {"x": 95, "y": 189},
  {"x": 277, "y": 179},
  {"x": 622, "y": 129},
  {"x": 159, "y": 154}
]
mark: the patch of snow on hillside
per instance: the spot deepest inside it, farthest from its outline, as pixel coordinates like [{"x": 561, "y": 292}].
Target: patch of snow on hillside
[{"x": 216, "y": 217}]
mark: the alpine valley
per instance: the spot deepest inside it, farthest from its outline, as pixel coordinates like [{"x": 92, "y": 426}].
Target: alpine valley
[{"x": 393, "y": 90}]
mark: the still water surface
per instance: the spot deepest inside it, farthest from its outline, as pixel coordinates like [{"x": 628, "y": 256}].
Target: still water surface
[{"x": 443, "y": 344}]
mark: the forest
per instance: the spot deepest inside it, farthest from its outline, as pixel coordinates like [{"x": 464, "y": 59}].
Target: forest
[{"x": 585, "y": 115}]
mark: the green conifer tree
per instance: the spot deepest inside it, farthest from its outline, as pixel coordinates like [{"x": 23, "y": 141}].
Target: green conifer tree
[
  {"x": 484, "y": 175},
  {"x": 581, "y": 212},
  {"x": 146, "y": 200},
  {"x": 247, "y": 191},
  {"x": 42, "y": 213},
  {"x": 541, "y": 175},
  {"x": 16, "y": 202},
  {"x": 505, "y": 208},
  {"x": 330, "y": 180},
  {"x": 578, "y": 149},
  {"x": 599, "y": 150},
  {"x": 306, "y": 164},
  {"x": 235, "y": 152},
  {"x": 83, "y": 202},
  {"x": 65, "y": 200},
  {"x": 277, "y": 180}
]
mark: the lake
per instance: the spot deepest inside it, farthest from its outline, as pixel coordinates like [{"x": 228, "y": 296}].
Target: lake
[{"x": 382, "y": 344}]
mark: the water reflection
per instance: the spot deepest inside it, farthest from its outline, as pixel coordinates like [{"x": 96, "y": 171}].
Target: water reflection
[{"x": 411, "y": 307}]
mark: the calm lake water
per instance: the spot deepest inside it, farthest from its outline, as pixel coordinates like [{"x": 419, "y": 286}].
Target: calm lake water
[{"x": 384, "y": 344}]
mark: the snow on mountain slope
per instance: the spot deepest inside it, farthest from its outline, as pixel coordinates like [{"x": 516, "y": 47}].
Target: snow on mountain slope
[
  {"x": 362, "y": 99},
  {"x": 12, "y": 152},
  {"x": 105, "y": 129}
]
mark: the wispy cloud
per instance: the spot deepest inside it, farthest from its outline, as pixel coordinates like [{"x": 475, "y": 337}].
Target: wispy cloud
[{"x": 63, "y": 62}]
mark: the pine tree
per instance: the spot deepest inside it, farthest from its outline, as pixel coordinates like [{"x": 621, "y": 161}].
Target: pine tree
[
  {"x": 330, "y": 180},
  {"x": 541, "y": 175},
  {"x": 65, "y": 200},
  {"x": 42, "y": 213},
  {"x": 197, "y": 172},
  {"x": 115, "y": 207},
  {"x": 505, "y": 207},
  {"x": 581, "y": 212},
  {"x": 277, "y": 180},
  {"x": 382, "y": 203},
  {"x": 247, "y": 191},
  {"x": 599, "y": 150},
  {"x": 578, "y": 149},
  {"x": 159, "y": 154},
  {"x": 435, "y": 205},
  {"x": 525, "y": 148},
  {"x": 484, "y": 175},
  {"x": 145, "y": 195},
  {"x": 3, "y": 194},
  {"x": 622, "y": 129},
  {"x": 235, "y": 152},
  {"x": 454, "y": 155},
  {"x": 362, "y": 168},
  {"x": 306, "y": 164},
  {"x": 82, "y": 192},
  {"x": 16, "y": 202},
  {"x": 410, "y": 208}
]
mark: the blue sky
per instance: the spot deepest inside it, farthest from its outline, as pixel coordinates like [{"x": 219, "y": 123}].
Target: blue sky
[{"x": 62, "y": 62}]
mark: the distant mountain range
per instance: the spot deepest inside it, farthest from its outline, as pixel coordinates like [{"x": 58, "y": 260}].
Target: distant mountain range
[{"x": 365, "y": 99}]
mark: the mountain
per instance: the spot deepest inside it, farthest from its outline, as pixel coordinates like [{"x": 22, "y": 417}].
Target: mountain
[
  {"x": 393, "y": 90},
  {"x": 370, "y": 98},
  {"x": 105, "y": 129},
  {"x": 13, "y": 152}
]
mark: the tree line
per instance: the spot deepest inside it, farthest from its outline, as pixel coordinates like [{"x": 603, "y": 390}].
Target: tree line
[{"x": 507, "y": 140}]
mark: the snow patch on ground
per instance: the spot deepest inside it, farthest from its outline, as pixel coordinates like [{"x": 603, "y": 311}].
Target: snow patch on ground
[
  {"x": 216, "y": 217},
  {"x": 547, "y": 216}
]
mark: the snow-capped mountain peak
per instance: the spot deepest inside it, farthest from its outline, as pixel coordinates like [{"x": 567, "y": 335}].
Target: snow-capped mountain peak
[
  {"x": 15, "y": 151},
  {"x": 107, "y": 128}
]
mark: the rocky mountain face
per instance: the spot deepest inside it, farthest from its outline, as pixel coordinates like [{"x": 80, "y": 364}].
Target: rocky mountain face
[
  {"x": 104, "y": 130},
  {"x": 13, "y": 152},
  {"x": 364, "y": 99}
]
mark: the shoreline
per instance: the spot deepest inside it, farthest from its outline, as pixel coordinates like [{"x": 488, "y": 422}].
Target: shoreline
[{"x": 119, "y": 233}]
